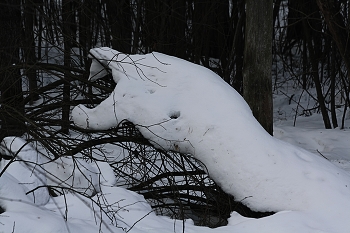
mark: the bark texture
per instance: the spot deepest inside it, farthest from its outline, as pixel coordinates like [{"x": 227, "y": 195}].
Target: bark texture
[{"x": 257, "y": 82}]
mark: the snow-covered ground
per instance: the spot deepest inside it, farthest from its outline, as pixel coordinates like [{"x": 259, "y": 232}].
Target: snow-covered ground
[
  {"x": 307, "y": 130},
  {"x": 184, "y": 107}
]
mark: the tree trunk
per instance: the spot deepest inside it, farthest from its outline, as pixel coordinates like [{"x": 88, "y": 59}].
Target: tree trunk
[
  {"x": 119, "y": 17},
  {"x": 237, "y": 53},
  {"x": 314, "y": 60},
  {"x": 11, "y": 100},
  {"x": 221, "y": 44},
  {"x": 333, "y": 84},
  {"x": 175, "y": 40},
  {"x": 165, "y": 27},
  {"x": 151, "y": 26},
  {"x": 257, "y": 81},
  {"x": 202, "y": 27},
  {"x": 337, "y": 28},
  {"x": 85, "y": 17},
  {"x": 29, "y": 49},
  {"x": 137, "y": 35},
  {"x": 67, "y": 30}
]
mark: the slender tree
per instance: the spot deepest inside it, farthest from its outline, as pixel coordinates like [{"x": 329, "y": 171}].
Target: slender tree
[
  {"x": 257, "y": 77},
  {"x": 315, "y": 74},
  {"x": 67, "y": 31},
  {"x": 233, "y": 73},
  {"x": 164, "y": 27},
  {"x": 337, "y": 28},
  {"x": 12, "y": 108},
  {"x": 28, "y": 47},
  {"x": 119, "y": 19}
]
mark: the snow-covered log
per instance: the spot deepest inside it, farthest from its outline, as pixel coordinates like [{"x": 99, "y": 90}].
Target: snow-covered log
[{"x": 184, "y": 107}]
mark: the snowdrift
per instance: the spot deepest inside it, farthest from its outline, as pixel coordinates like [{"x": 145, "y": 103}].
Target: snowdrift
[{"x": 184, "y": 107}]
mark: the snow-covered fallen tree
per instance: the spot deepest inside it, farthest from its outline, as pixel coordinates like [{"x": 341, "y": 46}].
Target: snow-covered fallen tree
[{"x": 184, "y": 107}]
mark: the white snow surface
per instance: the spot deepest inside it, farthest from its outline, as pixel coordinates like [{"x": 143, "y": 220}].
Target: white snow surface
[
  {"x": 76, "y": 173},
  {"x": 184, "y": 107},
  {"x": 181, "y": 106},
  {"x": 25, "y": 167}
]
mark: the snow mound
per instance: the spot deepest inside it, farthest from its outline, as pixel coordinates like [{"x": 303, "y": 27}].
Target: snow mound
[
  {"x": 26, "y": 167},
  {"x": 73, "y": 173},
  {"x": 23, "y": 216},
  {"x": 184, "y": 107}
]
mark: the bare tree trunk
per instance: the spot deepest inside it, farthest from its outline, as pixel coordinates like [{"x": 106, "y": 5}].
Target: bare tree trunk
[
  {"x": 313, "y": 56},
  {"x": 221, "y": 44},
  {"x": 257, "y": 81},
  {"x": 67, "y": 18},
  {"x": 201, "y": 30},
  {"x": 337, "y": 28},
  {"x": 137, "y": 18},
  {"x": 40, "y": 27},
  {"x": 29, "y": 49},
  {"x": 85, "y": 16},
  {"x": 333, "y": 83},
  {"x": 151, "y": 26},
  {"x": 237, "y": 53},
  {"x": 165, "y": 27},
  {"x": 11, "y": 100},
  {"x": 119, "y": 17},
  {"x": 175, "y": 40}
]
